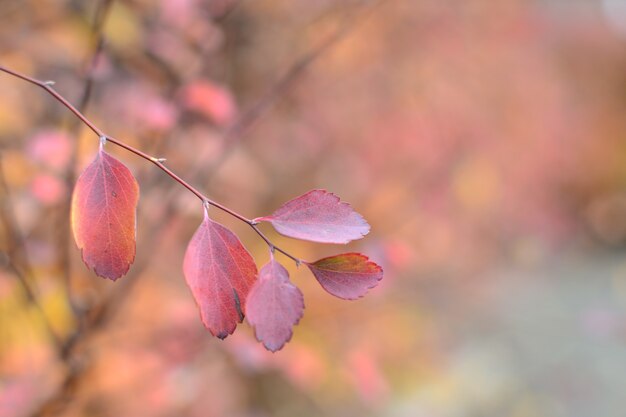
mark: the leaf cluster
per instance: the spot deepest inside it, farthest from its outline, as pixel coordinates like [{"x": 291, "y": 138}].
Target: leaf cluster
[{"x": 219, "y": 271}]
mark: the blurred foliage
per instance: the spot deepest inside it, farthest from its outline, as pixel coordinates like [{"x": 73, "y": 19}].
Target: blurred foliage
[{"x": 484, "y": 141}]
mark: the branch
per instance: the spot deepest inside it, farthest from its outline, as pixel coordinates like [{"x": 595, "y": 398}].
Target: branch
[
  {"x": 99, "y": 316},
  {"x": 47, "y": 86},
  {"x": 234, "y": 133},
  {"x": 109, "y": 306}
]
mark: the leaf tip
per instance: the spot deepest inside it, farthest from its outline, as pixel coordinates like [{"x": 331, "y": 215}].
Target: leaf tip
[
  {"x": 275, "y": 348},
  {"x": 107, "y": 274}
]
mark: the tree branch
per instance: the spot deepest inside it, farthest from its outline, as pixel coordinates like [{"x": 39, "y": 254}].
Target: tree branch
[{"x": 47, "y": 86}]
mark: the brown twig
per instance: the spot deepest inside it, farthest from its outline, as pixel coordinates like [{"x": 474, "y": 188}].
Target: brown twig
[{"x": 47, "y": 86}]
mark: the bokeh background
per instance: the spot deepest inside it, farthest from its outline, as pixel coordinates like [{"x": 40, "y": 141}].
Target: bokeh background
[{"x": 485, "y": 142}]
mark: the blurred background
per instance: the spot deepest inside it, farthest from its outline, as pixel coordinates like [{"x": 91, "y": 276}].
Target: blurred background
[{"x": 484, "y": 141}]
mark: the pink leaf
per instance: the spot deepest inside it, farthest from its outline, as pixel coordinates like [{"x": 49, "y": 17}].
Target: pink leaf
[
  {"x": 104, "y": 216},
  {"x": 318, "y": 216},
  {"x": 348, "y": 276},
  {"x": 51, "y": 148},
  {"x": 274, "y": 306},
  {"x": 219, "y": 271},
  {"x": 48, "y": 189},
  {"x": 211, "y": 100}
]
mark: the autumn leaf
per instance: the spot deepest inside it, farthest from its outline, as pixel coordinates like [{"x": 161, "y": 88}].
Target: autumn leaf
[
  {"x": 318, "y": 216},
  {"x": 348, "y": 276},
  {"x": 219, "y": 271},
  {"x": 104, "y": 216},
  {"x": 274, "y": 306}
]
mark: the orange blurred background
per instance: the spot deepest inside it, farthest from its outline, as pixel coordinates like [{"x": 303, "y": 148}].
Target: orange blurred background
[{"x": 485, "y": 143}]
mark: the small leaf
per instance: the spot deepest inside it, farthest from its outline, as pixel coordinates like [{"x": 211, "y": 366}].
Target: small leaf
[
  {"x": 274, "y": 306},
  {"x": 348, "y": 276},
  {"x": 318, "y": 216},
  {"x": 219, "y": 271},
  {"x": 104, "y": 216}
]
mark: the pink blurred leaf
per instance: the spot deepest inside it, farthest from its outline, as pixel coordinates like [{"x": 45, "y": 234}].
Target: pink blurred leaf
[
  {"x": 210, "y": 100},
  {"x": 48, "y": 189},
  {"x": 142, "y": 105},
  {"x": 157, "y": 114},
  {"x": 18, "y": 395},
  {"x": 348, "y": 276},
  {"x": 367, "y": 377},
  {"x": 51, "y": 148},
  {"x": 318, "y": 216},
  {"x": 304, "y": 366},
  {"x": 178, "y": 12},
  {"x": 274, "y": 306},
  {"x": 220, "y": 272}
]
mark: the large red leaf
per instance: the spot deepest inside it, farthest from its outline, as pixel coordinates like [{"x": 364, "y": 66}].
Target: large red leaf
[
  {"x": 219, "y": 271},
  {"x": 104, "y": 216},
  {"x": 318, "y": 216},
  {"x": 274, "y": 306},
  {"x": 348, "y": 276}
]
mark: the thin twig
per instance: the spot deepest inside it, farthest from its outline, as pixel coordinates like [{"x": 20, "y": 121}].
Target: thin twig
[{"x": 47, "y": 85}]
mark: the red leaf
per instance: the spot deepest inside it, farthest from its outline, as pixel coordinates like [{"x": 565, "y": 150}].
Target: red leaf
[
  {"x": 274, "y": 306},
  {"x": 318, "y": 216},
  {"x": 348, "y": 275},
  {"x": 219, "y": 271},
  {"x": 104, "y": 216}
]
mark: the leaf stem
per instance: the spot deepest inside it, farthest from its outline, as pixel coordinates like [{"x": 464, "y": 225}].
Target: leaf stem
[
  {"x": 272, "y": 247},
  {"x": 47, "y": 85}
]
